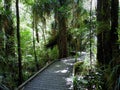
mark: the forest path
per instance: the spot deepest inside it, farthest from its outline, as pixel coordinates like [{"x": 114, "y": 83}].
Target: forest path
[{"x": 58, "y": 76}]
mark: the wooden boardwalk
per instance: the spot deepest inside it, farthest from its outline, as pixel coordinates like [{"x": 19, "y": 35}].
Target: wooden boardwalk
[{"x": 57, "y": 76}]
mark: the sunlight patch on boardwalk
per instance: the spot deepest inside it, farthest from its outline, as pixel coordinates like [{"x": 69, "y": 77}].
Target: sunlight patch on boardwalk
[{"x": 57, "y": 76}]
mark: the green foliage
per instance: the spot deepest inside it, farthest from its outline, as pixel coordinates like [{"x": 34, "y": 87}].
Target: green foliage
[
  {"x": 112, "y": 77},
  {"x": 78, "y": 24},
  {"x": 53, "y": 54},
  {"x": 98, "y": 78},
  {"x": 26, "y": 40},
  {"x": 78, "y": 67},
  {"x": 110, "y": 74},
  {"x": 78, "y": 83},
  {"x": 1, "y": 10},
  {"x": 41, "y": 8},
  {"x": 9, "y": 72},
  {"x": 52, "y": 41},
  {"x": 90, "y": 81},
  {"x": 117, "y": 86},
  {"x": 27, "y": 2},
  {"x": 88, "y": 77}
]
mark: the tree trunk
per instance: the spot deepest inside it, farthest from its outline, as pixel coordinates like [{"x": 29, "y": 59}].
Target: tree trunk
[
  {"x": 18, "y": 42},
  {"x": 2, "y": 52},
  {"x": 106, "y": 32},
  {"x": 1, "y": 39},
  {"x": 35, "y": 55},
  {"x": 114, "y": 36},
  {"x": 43, "y": 33},
  {"x": 9, "y": 31},
  {"x": 9, "y": 39},
  {"x": 103, "y": 35},
  {"x": 34, "y": 48},
  {"x": 99, "y": 33},
  {"x": 108, "y": 40},
  {"x": 62, "y": 39},
  {"x": 114, "y": 27}
]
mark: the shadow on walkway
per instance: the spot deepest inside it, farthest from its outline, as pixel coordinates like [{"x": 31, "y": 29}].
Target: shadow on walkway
[{"x": 57, "y": 76}]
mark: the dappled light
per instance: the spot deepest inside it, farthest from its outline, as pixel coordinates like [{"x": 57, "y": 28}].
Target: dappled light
[
  {"x": 57, "y": 66},
  {"x": 61, "y": 71},
  {"x": 58, "y": 76},
  {"x": 59, "y": 44}
]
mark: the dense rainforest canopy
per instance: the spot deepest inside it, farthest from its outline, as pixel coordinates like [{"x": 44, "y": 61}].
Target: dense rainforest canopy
[{"x": 36, "y": 32}]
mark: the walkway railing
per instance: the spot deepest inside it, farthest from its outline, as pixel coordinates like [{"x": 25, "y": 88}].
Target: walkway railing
[{"x": 21, "y": 87}]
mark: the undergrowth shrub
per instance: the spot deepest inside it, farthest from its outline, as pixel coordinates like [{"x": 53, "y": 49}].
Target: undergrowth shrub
[
  {"x": 91, "y": 81},
  {"x": 53, "y": 53},
  {"x": 113, "y": 79},
  {"x": 90, "y": 77}
]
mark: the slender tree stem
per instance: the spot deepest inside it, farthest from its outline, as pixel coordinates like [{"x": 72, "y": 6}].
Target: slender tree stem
[
  {"x": 34, "y": 48},
  {"x": 90, "y": 33},
  {"x": 18, "y": 42}
]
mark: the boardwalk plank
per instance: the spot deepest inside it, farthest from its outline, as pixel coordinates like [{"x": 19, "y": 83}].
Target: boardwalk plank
[{"x": 57, "y": 76}]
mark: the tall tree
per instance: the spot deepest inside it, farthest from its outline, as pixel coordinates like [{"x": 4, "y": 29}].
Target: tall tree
[
  {"x": 18, "y": 43},
  {"x": 114, "y": 27},
  {"x": 9, "y": 38},
  {"x": 60, "y": 19},
  {"x": 114, "y": 42},
  {"x": 106, "y": 31},
  {"x": 9, "y": 30},
  {"x": 99, "y": 32},
  {"x": 34, "y": 47},
  {"x": 108, "y": 48},
  {"x": 2, "y": 52},
  {"x": 1, "y": 38},
  {"x": 62, "y": 39},
  {"x": 103, "y": 34}
]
